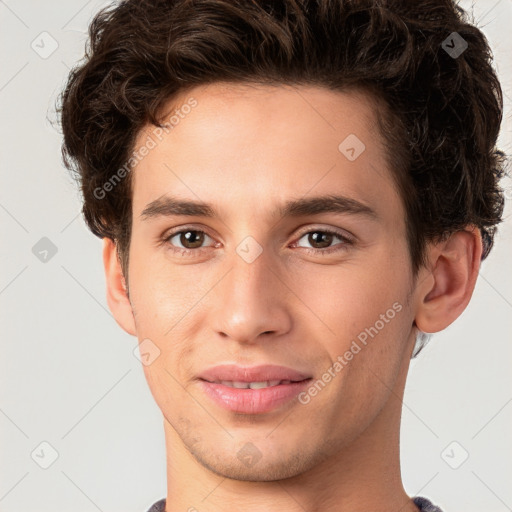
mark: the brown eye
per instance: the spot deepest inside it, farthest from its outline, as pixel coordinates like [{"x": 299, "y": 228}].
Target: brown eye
[
  {"x": 187, "y": 239},
  {"x": 191, "y": 239},
  {"x": 322, "y": 239}
]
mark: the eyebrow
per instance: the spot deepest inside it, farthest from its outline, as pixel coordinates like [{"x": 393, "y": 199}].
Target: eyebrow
[{"x": 167, "y": 206}]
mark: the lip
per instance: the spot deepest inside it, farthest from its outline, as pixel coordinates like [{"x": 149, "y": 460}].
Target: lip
[
  {"x": 260, "y": 373},
  {"x": 252, "y": 401}
]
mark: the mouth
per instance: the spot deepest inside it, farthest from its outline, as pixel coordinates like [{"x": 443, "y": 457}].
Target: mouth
[{"x": 252, "y": 389}]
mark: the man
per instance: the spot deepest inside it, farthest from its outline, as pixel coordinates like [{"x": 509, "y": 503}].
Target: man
[{"x": 290, "y": 195}]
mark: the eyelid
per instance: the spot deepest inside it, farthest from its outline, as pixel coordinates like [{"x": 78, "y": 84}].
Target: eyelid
[
  {"x": 342, "y": 233},
  {"x": 306, "y": 229}
]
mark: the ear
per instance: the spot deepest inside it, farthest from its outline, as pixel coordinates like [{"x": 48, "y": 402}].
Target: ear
[
  {"x": 117, "y": 296},
  {"x": 444, "y": 290}
]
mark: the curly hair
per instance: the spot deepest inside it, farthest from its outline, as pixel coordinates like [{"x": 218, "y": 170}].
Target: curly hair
[{"x": 439, "y": 114}]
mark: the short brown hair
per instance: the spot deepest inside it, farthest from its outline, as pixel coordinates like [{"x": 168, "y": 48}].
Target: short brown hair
[{"x": 440, "y": 119}]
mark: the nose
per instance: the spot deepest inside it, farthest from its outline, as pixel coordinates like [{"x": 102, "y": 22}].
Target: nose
[{"x": 252, "y": 300}]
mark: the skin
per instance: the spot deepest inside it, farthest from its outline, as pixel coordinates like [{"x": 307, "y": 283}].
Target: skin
[{"x": 246, "y": 149}]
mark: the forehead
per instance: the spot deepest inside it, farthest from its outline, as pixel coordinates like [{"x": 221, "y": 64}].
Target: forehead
[{"x": 252, "y": 145}]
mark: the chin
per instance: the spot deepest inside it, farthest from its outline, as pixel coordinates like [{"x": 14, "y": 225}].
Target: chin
[{"x": 258, "y": 469}]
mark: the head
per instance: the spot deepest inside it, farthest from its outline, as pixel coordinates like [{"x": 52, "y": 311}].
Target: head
[{"x": 255, "y": 108}]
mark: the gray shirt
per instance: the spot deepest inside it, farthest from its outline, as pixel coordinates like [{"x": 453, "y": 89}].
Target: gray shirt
[{"x": 423, "y": 504}]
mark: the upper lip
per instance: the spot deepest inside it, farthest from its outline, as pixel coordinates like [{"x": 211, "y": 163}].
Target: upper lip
[{"x": 262, "y": 373}]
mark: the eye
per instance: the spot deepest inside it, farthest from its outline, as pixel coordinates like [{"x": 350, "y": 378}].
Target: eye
[
  {"x": 323, "y": 238},
  {"x": 191, "y": 240},
  {"x": 188, "y": 241}
]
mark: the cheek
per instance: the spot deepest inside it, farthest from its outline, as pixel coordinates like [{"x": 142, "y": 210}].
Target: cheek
[
  {"x": 161, "y": 294},
  {"x": 349, "y": 299},
  {"x": 366, "y": 321},
  {"x": 166, "y": 302}
]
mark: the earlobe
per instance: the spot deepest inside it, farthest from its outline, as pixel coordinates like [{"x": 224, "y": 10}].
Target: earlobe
[
  {"x": 446, "y": 289},
  {"x": 117, "y": 297}
]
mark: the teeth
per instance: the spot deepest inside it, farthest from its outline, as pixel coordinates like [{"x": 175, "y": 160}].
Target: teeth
[
  {"x": 253, "y": 385},
  {"x": 234, "y": 384},
  {"x": 259, "y": 385}
]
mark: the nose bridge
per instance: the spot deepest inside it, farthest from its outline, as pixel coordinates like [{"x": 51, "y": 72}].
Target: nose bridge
[
  {"x": 249, "y": 279},
  {"x": 251, "y": 272},
  {"x": 250, "y": 264}
]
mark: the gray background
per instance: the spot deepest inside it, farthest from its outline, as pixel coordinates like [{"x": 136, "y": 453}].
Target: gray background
[{"x": 68, "y": 376}]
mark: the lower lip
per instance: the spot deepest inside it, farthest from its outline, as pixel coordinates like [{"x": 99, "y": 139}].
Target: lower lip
[{"x": 253, "y": 401}]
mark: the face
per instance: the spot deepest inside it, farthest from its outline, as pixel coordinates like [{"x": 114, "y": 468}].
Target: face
[{"x": 268, "y": 276}]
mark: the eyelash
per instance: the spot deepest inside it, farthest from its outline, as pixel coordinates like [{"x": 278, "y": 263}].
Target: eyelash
[{"x": 345, "y": 240}]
